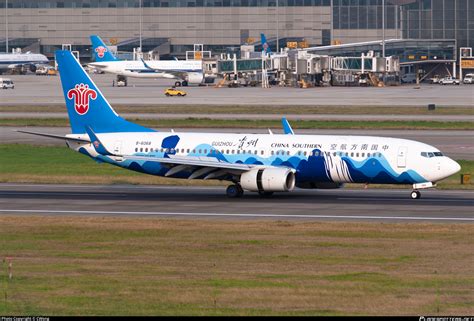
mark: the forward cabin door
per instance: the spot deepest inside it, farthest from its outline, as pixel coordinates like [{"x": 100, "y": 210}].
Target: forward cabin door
[{"x": 402, "y": 157}]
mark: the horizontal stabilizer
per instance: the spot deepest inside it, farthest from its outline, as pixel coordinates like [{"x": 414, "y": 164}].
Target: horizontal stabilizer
[{"x": 55, "y": 136}]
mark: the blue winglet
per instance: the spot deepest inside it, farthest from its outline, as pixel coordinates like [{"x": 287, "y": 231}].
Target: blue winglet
[
  {"x": 146, "y": 65},
  {"x": 287, "y": 127},
  {"x": 98, "y": 146}
]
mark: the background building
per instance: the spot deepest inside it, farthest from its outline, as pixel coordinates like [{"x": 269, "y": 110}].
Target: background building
[{"x": 172, "y": 26}]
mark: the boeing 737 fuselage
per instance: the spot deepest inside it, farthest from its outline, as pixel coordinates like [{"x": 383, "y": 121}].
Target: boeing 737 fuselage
[{"x": 253, "y": 162}]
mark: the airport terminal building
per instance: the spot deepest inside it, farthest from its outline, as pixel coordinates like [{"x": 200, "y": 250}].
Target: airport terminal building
[{"x": 172, "y": 26}]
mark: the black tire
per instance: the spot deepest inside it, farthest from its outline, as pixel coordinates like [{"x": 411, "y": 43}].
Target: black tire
[
  {"x": 184, "y": 83},
  {"x": 167, "y": 95},
  {"x": 180, "y": 94},
  {"x": 415, "y": 195},
  {"x": 177, "y": 84},
  {"x": 233, "y": 191}
]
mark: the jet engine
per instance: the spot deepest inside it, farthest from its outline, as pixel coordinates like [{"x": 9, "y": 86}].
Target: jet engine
[
  {"x": 270, "y": 179},
  {"x": 194, "y": 77}
]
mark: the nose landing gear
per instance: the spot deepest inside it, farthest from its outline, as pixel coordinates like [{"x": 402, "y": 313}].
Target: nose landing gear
[{"x": 415, "y": 194}]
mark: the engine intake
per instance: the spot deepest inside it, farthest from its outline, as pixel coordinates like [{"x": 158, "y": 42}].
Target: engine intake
[{"x": 268, "y": 180}]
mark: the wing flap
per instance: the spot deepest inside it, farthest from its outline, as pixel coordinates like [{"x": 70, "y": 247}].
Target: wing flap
[{"x": 192, "y": 161}]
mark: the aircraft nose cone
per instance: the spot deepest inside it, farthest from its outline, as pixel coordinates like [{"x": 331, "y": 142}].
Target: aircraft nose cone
[{"x": 453, "y": 167}]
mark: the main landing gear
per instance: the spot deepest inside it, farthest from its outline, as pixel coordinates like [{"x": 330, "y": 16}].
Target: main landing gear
[
  {"x": 183, "y": 83},
  {"x": 234, "y": 191}
]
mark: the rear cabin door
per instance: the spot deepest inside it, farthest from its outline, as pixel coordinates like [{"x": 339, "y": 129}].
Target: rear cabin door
[
  {"x": 402, "y": 157},
  {"x": 118, "y": 147}
]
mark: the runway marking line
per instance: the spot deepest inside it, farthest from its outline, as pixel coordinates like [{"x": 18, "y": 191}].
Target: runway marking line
[{"x": 412, "y": 218}]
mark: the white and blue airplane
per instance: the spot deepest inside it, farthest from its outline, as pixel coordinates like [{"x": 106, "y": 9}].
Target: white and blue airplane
[
  {"x": 262, "y": 163},
  {"x": 186, "y": 71},
  {"x": 10, "y": 61}
]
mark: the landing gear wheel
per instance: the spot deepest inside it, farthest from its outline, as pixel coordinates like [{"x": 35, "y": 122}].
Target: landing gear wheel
[
  {"x": 415, "y": 195},
  {"x": 184, "y": 83},
  {"x": 234, "y": 191},
  {"x": 265, "y": 194},
  {"x": 177, "y": 84}
]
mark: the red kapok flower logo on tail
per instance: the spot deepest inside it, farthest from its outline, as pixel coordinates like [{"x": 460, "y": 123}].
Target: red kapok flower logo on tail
[
  {"x": 100, "y": 51},
  {"x": 81, "y": 94}
]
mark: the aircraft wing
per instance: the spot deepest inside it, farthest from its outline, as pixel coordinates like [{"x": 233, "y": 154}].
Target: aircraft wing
[
  {"x": 200, "y": 166},
  {"x": 209, "y": 167}
]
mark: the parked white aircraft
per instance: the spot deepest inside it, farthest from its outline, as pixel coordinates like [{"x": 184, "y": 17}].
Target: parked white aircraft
[
  {"x": 187, "y": 71},
  {"x": 20, "y": 60},
  {"x": 253, "y": 162}
]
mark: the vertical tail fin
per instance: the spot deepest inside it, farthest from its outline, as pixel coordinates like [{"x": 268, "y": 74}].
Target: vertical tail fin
[
  {"x": 100, "y": 50},
  {"x": 86, "y": 106},
  {"x": 265, "y": 46}
]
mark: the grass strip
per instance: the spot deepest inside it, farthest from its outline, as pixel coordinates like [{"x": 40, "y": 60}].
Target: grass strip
[
  {"x": 52, "y": 164},
  {"x": 146, "y": 266},
  {"x": 226, "y": 123}
]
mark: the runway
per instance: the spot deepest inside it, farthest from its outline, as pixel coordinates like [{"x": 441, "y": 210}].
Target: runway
[{"x": 211, "y": 203}]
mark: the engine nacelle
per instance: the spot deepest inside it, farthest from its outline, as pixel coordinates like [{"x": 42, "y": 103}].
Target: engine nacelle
[
  {"x": 195, "y": 77},
  {"x": 268, "y": 180}
]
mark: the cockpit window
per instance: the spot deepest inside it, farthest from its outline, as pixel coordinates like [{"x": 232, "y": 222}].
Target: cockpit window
[{"x": 431, "y": 154}]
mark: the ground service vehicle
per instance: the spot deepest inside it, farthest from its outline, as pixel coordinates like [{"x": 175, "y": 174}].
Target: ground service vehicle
[
  {"x": 469, "y": 79},
  {"x": 408, "y": 78},
  {"x": 6, "y": 83},
  {"x": 449, "y": 81}
]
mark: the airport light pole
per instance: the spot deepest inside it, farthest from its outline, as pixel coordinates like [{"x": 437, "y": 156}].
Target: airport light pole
[
  {"x": 6, "y": 26},
  {"x": 383, "y": 28},
  {"x": 278, "y": 26},
  {"x": 141, "y": 18}
]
